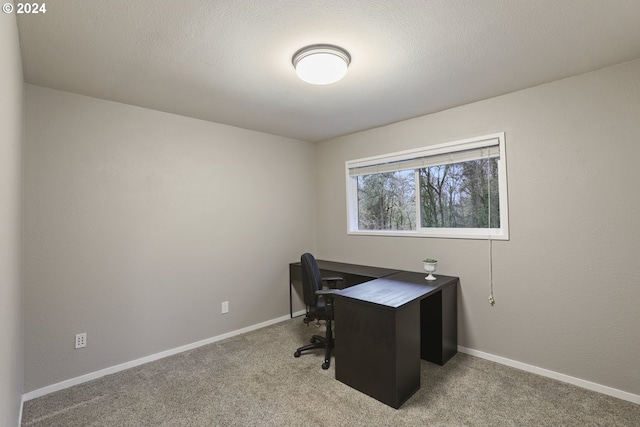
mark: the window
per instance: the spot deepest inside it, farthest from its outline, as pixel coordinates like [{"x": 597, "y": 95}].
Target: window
[{"x": 454, "y": 190}]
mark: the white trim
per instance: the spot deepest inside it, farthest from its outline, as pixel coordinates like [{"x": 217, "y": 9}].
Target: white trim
[
  {"x": 444, "y": 233},
  {"x": 599, "y": 388},
  {"x": 127, "y": 365},
  {"x": 22, "y": 400},
  {"x": 609, "y": 391}
]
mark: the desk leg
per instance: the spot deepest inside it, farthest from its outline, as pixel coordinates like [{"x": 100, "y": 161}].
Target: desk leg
[{"x": 439, "y": 326}]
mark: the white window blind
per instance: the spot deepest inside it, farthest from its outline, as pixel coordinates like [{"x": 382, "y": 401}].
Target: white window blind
[{"x": 426, "y": 158}]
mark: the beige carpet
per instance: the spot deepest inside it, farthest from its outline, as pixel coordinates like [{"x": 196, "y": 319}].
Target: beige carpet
[{"x": 254, "y": 380}]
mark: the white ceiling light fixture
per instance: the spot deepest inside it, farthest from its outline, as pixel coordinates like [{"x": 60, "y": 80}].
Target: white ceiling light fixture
[{"x": 321, "y": 64}]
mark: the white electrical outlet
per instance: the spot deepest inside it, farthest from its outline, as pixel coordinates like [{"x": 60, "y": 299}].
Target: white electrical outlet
[
  {"x": 225, "y": 307},
  {"x": 81, "y": 340}
]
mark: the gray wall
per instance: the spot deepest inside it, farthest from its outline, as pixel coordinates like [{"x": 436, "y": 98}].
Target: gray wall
[
  {"x": 11, "y": 124},
  {"x": 567, "y": 283},
  {"x": 138, "y": 224}
]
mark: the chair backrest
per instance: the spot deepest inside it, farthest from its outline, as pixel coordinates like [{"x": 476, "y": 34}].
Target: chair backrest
[{"x": 311, "y": 279}]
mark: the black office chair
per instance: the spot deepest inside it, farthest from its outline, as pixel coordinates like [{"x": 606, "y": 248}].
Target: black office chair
[{"x": 319, "y": 302}]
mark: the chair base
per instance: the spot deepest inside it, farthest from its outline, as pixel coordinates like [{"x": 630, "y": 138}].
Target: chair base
[{"x": 320, "y": 342}]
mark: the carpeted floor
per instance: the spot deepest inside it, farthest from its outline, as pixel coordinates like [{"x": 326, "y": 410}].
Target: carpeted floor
[{"x": 254, "y": 380}]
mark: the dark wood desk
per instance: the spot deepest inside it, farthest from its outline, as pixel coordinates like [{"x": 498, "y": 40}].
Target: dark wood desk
[
  {"x": 385, "y": 326},
  {"x": 352, "y": 274},
  {"x": 386, "y": 321}
]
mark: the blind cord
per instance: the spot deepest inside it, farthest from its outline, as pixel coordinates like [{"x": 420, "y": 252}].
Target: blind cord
[{"x": 492, "y": 301}]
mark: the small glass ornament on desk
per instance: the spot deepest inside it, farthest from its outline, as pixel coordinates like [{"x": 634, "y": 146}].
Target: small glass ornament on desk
[{"x": 430, "y": 266}]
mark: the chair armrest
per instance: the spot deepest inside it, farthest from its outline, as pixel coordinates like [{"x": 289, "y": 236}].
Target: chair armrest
[
  {"x": 327, "y": 291},
  {"x": 327, "y": 296},
  {"x": 332, "y": 282}
]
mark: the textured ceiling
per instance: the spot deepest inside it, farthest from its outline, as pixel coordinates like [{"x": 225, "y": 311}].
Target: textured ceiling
[{"x": 230, "y": 61}]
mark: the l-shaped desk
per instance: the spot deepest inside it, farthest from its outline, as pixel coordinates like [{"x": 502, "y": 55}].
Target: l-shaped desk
[{"x": 387, "y": 320}]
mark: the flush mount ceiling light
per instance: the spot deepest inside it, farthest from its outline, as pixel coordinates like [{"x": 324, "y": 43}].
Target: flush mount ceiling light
[{"x": 321, "y": 64}]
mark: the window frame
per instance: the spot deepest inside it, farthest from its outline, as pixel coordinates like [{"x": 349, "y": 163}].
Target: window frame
[{"x": 481, "y": 142}]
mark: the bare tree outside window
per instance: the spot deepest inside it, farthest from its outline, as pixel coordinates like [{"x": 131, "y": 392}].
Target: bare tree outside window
[
  {"x": 386, "y": 201},
  {"x": 458, "y": 195}
]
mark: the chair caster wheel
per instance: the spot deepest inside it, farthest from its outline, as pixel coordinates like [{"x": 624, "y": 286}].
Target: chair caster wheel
[
  {"x": 296, "y": 354},
  {"x": 325, "y": 365}
]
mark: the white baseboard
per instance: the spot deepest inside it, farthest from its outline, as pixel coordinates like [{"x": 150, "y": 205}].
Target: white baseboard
[
  {"x": 20, "y": 413},
  {"x": 113, "y": 369},
  {"x": 633, "y": 398}
]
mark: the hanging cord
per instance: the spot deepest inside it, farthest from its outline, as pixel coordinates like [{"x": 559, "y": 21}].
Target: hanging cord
[{"x": 492, "y": 301}]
